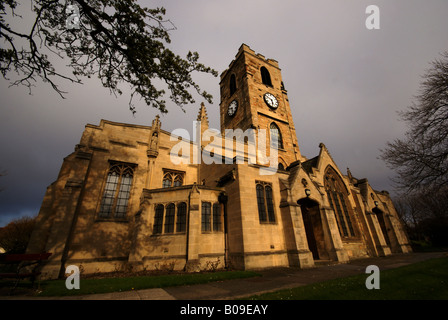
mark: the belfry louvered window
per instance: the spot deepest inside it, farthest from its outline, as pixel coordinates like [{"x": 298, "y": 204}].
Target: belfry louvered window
[
  {"x": 117, "y": 190},
  {"x": 232, "y": 84},
  {"x": 265, "y": 76}
]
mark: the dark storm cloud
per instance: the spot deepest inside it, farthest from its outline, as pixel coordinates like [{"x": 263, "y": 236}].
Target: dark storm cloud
[{"x": 345, "y": 84}]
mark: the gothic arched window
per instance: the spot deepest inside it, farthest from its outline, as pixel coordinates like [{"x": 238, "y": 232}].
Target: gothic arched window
[
  {"x": 114, "y": 202},
  {"x": 338, "y": 196},
  {"x": 265, "y": 76},
  {"x": 167, "y": 180},
  {"x": 276, "y": 136},
  {"x": 265, "y": 202},
  {"x": 172, "y": 179},
  {"x": 178, "y": 180}
]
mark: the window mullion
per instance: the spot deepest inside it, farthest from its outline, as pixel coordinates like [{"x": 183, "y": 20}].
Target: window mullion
[
  {"x": 117, "y": 191},
  {"x": 340, "y": 199},
  {"x": 340, "y": 214},
  {"x": 347, "y": 215},
  {"x": 266, "y": 204}
]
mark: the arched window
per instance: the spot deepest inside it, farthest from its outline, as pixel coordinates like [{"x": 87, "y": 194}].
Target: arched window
[
  {"x": 261, "y": 203},
  {"x": 178, "y": 181},
  {"x": 158, "y": 219},
  {"x": 276, "y": 136},
  {"x": 269, "y": 203},
  {"x": 232, "y": 84},
  {"x": 169, "y": 218},
  {"x": 338, "y": 196},
  {"x": 167, "y": 180},
  {"x": 265, "y": 76},
  {"x": 181, "y": 222},
  {"x": 265, "y": 202},
  {"x": 172, "y": 179},
  {"x": 114, "y": 202}
]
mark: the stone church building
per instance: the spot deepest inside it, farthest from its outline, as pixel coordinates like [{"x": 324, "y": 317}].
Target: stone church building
[{"x": 122, "y": 201}]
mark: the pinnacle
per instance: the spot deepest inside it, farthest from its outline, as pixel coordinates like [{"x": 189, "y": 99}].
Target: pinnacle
[{"x": 202, "y": 116}]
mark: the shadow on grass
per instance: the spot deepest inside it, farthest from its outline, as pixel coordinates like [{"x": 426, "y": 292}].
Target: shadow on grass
[
  {"x": 426, "y": 280},
  {"x": 116, "y": 284}
]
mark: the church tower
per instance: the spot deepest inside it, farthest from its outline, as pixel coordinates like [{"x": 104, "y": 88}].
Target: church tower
[{"x": 253, "y": 97}]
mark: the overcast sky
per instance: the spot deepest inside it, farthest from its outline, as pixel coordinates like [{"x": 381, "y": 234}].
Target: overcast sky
[{"x": 345, "y": 84}]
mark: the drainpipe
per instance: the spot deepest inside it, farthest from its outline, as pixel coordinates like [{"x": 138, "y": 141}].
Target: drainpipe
[
  {"x": 222, "y": 198},
  {"x": 187, "y": 229}
]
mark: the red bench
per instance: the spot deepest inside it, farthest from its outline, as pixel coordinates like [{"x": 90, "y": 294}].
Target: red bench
[{"x": 23, "y": 261}]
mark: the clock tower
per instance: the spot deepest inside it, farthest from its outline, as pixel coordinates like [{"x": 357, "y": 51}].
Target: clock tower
[{"x": 253, "y": 97}]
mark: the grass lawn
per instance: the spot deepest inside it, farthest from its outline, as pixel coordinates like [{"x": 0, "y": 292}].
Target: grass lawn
[
  {"x": 90, "y": 286},
  {"x": 423, "y": 280}
]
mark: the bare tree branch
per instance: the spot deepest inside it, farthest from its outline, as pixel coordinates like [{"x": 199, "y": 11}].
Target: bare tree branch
[{"x": 421, "y": 158}]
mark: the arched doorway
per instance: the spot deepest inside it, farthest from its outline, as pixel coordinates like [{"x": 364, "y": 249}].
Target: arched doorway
[{"x": 313, "y": 228}]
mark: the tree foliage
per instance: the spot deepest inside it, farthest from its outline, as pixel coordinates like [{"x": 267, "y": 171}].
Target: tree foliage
[
  {"x": 14, "y": 237},
  {"x": 116, "y": 40},
  {"x": 421, "y": 158}
]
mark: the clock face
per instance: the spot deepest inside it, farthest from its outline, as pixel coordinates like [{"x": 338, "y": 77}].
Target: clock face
[
  {"x": 232, "y": 108},
  {"x": 270, "y": 100}
]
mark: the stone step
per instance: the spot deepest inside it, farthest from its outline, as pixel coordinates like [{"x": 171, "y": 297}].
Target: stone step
[{"x": 322, "y": 262}]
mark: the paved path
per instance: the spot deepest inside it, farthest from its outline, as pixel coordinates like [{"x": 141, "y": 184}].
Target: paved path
[{"x": 270, "y": 280}]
